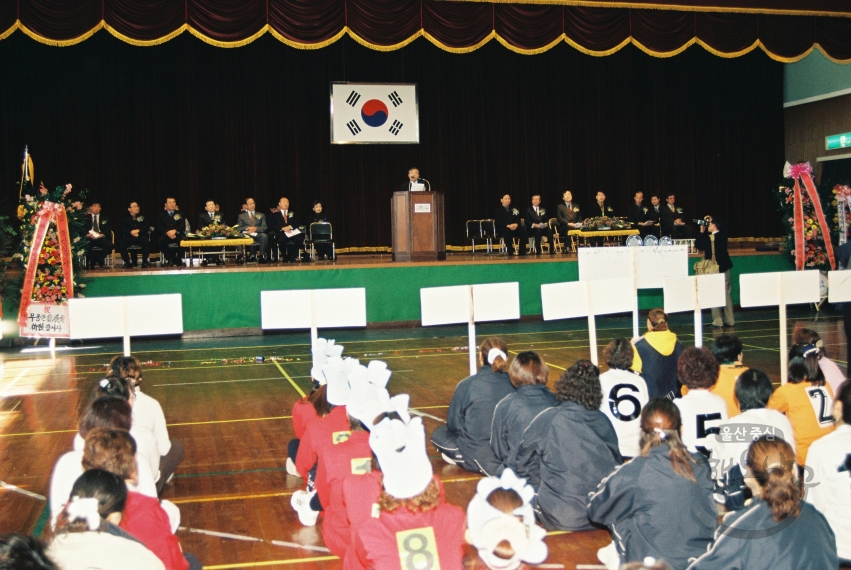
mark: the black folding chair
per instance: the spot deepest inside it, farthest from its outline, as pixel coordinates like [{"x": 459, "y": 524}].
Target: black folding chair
[{"x": 321, "y": 233}]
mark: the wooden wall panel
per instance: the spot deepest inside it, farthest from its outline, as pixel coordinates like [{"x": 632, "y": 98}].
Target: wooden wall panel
[{"x": 808, "y": 124}]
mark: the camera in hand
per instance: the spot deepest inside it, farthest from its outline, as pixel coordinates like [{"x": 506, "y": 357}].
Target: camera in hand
[{"x": 704, "y": 222}]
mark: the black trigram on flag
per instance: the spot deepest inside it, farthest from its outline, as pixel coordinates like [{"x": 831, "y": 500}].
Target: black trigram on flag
[
  {"x": 354, "y": 127},
  {"x": 395, "y": 99},
  {"x": 353, "y": 98},
  {"x": 395, "y": 127}
]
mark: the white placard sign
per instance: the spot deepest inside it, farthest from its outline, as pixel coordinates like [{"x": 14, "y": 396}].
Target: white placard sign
[
  {"x": 693, "y": 294},
  {"x": 587, "y": 299},
  {"x": 128, "y": 316},
  {"x": 839, "y": 286},
  {"x": 654, "y": 264},
  {"x": 422, "y": 208},
  {"x": 47, "y": 320},
  {"x": 470, "y": 304},
  {"x": 779, "y": 288},
  {"x": 309, "y": 308},
  {"x": 374, "y": 113}
]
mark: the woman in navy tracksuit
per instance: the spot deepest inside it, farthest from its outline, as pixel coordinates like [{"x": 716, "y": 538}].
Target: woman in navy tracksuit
[
  {"x": 659, "y": 504},
  {"x": 465, "y": 439},
  {"x": 778, "y": 529}
]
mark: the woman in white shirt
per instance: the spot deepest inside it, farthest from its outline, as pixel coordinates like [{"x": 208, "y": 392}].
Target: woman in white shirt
[
  {"x": 87, "y": 535},
  {"x": 829, "y": 458},
  {"x": 624, "y": 395},
  {"x": 702, "y": 411}
]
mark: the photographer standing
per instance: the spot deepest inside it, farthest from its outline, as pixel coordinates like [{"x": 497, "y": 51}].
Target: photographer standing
[{"x": 713, "y": 237}]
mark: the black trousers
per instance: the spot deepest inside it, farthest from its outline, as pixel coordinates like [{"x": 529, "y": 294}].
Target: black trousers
[
  {"x": 172, "y": 254},
  {"x": 519, "y": 233},
  {"x": 141, "y": 241}
]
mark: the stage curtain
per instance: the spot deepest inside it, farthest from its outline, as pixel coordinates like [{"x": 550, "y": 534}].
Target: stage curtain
[
  {"x": 729, "y": 29},
  {"x": 193, "y": 121}
]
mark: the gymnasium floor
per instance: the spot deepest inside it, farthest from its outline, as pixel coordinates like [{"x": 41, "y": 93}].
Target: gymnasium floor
[{"x": 233, "y": 414}]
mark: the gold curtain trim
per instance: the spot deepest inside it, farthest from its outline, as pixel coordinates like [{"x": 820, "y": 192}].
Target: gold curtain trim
[
  {"x": 238, "y": 43},
  {"x": 59, "y": 43},
  {"x": 299, "y": 45},
  {"x": 467, "y": 49},
  {"x": 145, "y": 43},
  {"x": 374, "y": 249},
  {"x": 421, "y": 33},
  {"x": 674, "y": 7}
]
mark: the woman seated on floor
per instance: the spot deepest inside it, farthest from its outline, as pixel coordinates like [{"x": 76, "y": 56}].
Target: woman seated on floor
[{"x": 465, "y": 439}]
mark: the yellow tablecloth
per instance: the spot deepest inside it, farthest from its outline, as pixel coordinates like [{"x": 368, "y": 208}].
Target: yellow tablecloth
[
  {"x": 603, "y": 233},
  {"x": 193, "y": 243}
]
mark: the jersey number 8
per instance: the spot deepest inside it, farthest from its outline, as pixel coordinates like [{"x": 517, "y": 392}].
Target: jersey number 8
[{"x": 418, "y": 549}]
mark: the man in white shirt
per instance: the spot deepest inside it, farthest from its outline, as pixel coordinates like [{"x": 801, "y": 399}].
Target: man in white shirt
[
  {"x": 729, "y": 447},
  {"x": 829, "y": 460}
]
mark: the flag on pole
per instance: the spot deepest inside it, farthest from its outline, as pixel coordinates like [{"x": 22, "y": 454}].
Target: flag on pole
[{"x": 374, "y": 113}]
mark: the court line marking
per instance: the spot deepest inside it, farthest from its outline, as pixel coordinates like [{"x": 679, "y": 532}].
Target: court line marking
[
  {"x": 287, "y": 376},
  {"x": 270, "y": 563},
  {"x": 425, "y": 415},
  {"x": 297, "y": 545},
  {"x": 16, "y": 489}
]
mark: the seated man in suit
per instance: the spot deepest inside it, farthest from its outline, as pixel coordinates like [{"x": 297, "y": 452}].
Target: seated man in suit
[
  {"x": 638, "y": 214},
  {"x": 568, "y": 214},
  {"x": 281, "y": 222},
  {"x": 210, "y": 216},
  {"x": 253, "y": 224},
  {"x": 508, "y": 226},
  {"x": 602, "y": 208},
  {"x": 537, "y": 223},
  {"x": 134, "y": 231},
  {"x": 100, "y": 237},
  {"x": 318, "y": 216},
  {"x": 414, "y": 178},
  {"x": 673, "y": 219},
  {"x": 171, "y": 228}
]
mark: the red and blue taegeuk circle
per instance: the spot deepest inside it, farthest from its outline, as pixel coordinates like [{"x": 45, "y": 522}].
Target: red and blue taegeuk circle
[{"x": 374, "y": 113}]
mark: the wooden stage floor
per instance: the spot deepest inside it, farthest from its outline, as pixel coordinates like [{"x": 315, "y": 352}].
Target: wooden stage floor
[{"x": 234, "y": 416}]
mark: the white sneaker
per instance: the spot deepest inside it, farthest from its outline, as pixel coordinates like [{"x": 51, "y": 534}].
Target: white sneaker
[
  {"x": 447, "y": 459},
  {"x": 291, "y": 469},
  {"x": 608, "y": 555},
  {"x": 300, "y": 501}
]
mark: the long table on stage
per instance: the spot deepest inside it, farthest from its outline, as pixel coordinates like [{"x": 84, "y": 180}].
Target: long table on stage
[
  {"x": 215, "y": 246},
  {"x": 580, "y": 237}
]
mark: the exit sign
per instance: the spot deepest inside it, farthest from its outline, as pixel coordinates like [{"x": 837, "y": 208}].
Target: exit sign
[{"x": 834, "y": 142}]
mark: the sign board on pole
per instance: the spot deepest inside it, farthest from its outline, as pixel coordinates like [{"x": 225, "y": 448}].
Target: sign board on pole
[{"x": 294, "y": 309}]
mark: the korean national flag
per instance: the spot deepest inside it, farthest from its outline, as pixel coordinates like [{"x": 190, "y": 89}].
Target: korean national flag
[{"x": 370, "y": 113}]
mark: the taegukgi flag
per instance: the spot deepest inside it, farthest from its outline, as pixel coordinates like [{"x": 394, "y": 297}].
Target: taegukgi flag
[{"x": 374, "y": 113}]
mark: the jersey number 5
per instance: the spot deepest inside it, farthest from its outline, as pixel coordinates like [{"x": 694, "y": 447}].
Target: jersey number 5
[{"x": 615, "y": 399}]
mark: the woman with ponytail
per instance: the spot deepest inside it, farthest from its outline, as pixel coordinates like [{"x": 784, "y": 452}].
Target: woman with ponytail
[
  {"x": 659, "y": 504},
  {"x": 778, "y": 529},
  {"x": 656, "y": 355},
  {"x": 465, "y": 439}
]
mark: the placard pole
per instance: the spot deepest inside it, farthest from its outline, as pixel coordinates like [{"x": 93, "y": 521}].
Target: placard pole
[
  {"x": 635, "y": 332},
  {"x": 314, "y": 330},
  {"x": 784, "y": 348},
  {"x": 52, "y": 345},
  {"x": 698, "y": 316},
  {"x": 592, "y": 325},
  {"x": 471, "y": 337},
  {"x": 126, "y": 329}
]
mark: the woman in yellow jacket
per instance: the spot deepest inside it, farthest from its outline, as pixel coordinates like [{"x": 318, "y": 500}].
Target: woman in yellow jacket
[{"x": 656, "y": 355}]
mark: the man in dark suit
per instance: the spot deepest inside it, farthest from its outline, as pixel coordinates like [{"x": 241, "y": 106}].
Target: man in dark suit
[
  {"x": 134, "y": 231},
  {"x": 253, "y": 224},
  {"x": 100, "y": 236},
  {"x": 637, "y": 214},
  {"x": 171, "y": 228},
  {"x": 508, "y": 226},
  {"x": 673, "y": 220},
  {"x": 654, "y": 212},
  {"x": 713, "y": 236},
  {"x": 282, "y": 222},
  {"x": 537, "y": 223},
  {"x": 567, "y": 213},
  {"x": 602, "y": 208},
  {"x": 414, "y": 178},
  {"x": 209, "y": 216}
]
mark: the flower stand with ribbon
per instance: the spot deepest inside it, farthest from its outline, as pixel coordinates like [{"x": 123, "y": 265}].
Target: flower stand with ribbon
[
  {"x": 48, "y": 277},
  {"x": 812, "y": 243}
]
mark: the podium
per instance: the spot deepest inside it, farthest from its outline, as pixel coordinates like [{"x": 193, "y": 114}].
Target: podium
[{"x": 417, "y": 223}]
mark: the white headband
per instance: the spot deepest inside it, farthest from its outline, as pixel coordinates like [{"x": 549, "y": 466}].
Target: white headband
[
  {"x": 493, "y": 353},
  {"x": 85, "y": 509}
]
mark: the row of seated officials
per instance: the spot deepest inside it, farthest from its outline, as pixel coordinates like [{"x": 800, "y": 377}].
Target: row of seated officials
[
  {"x": 704, "y": 433},
  {"x": 269, "y": 232},
  {"x": 658, "y": 219}
]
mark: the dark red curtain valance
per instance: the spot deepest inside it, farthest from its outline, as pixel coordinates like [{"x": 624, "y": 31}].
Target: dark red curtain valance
[{"x": 726, "y": 28}]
